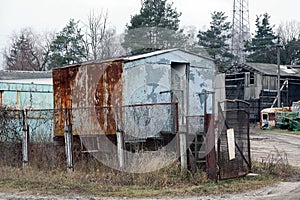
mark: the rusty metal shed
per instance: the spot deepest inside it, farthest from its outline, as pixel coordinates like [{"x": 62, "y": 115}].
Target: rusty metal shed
[
  {"x": 158, "y": 77},
  {"x": 159, "y": 102}
]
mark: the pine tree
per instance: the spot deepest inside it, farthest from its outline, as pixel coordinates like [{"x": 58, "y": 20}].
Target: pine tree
[
  {"x": 215, "y": 40},
  {"x": 68, "y": 46},
  {"x": 22, "y": 54},
  {"x": 290, "y": 53},
  {"x": 262, "y": 48},
  {"x": 155, "y": 27}
]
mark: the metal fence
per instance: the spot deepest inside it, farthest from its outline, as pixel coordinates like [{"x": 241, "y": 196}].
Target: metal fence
[
  {"x": 152, "y": 128},
  {"x": 143, "y": 126},
  {"x": 139, "y": 121},
  {"x": 39, "y": 124},
  {"x": 11, "y": 124},
  {"x": 234, "y": 115},
  {"x": 28, "y": 128}
]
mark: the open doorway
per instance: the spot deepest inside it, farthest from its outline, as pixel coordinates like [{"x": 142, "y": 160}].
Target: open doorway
[{"x": 179, "y": 88}]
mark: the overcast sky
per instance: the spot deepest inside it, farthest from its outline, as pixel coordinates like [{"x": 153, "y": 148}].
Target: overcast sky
[{"x": 43, "y": 15}]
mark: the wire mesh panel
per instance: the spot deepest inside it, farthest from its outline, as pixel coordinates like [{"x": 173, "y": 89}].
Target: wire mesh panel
[
  {"x": 196, "y": 139},
  {"x": 10, "y": 125},
  {"x": 147, "y": 132},
  {"x": 233, "y": 142},
  {"x": 10, "y": 137},
  {"x": 149, "y": 120},
  {"x": 135, "y": 121},
  {"x": 15, "y": 125},
  {"x": 195, "y": 124},
  {"x": 151, "y": 126},
  {"x": 40, "y": 124}
]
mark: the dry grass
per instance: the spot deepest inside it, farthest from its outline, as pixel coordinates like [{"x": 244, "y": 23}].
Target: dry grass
[
  {"x": 47, "y": 175},
  {"x": 276, "y": 165},
  {"x": 168, "y": 181},
  {"x": 92, "y": 178},
  {"x": 100, "y": 182}
]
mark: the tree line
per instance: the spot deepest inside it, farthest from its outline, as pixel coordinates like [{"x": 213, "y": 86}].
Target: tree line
[{"x": 155, "y": 27}]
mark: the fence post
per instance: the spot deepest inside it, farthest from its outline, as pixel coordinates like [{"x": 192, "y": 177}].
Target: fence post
[
  {"x": 68, "y": 141},
  {"x": 25, "y": 141},
  {"x": 183, "y": 148},
  {"x": 120, "y": 145}
]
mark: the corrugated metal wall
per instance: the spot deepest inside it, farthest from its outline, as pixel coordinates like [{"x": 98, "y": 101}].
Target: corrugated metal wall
[{"x": 21, "y": 95}]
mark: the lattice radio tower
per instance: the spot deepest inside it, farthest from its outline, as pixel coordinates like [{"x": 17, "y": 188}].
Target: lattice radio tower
[{"x": 240, "y": 29}]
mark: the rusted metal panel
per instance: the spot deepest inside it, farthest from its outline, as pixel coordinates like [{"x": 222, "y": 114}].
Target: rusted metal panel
[
  {"x": 90, "y": 90},
  {"x": 211, "y": 160},
  {"x": 109, "y": 94},
  {"x": 63, "y": 78}
]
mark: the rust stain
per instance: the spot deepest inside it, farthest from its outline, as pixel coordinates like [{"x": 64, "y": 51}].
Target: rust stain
[
  {"x": 108, "y": 97},
  {"x": 77, "y": 87},
  {"x": 63, "y": 78}
]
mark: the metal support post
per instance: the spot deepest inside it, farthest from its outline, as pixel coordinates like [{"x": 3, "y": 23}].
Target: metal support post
[
  {"x": 183, "y": 148},
  {"x": 68, "y": 142},
  {"x": 25, "y": 141},
  {"x": 120, "y": 146}
]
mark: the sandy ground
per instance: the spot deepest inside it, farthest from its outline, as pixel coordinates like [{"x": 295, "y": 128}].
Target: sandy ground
[{"x": 262, "y": 145}]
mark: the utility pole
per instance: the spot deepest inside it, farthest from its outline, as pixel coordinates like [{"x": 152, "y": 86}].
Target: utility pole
[{"x": 278, "y": 72}]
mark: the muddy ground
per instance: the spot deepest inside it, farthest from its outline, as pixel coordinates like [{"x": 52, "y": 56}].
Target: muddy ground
[{"x": 262, "y": 146}]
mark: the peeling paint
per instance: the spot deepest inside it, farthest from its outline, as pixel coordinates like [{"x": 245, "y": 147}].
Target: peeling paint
[{"x": 101, "y": 94}]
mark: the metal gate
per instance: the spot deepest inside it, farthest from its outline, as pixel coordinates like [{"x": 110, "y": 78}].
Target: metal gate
[{"x": 233, "y": 147}]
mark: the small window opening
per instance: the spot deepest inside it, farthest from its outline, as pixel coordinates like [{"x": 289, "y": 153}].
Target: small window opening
[
  {"x": 265, "y": 116},
  {"x": 251, "y": 78}
]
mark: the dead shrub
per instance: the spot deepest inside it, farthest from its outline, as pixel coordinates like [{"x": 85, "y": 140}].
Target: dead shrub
[
  {"x": 46, "y": 156},
  {"x": 11, "y": 154},
  {"x": 276, "y": 164}
]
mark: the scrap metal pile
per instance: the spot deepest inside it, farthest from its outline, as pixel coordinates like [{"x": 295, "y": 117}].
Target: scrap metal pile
[{"x": 283, "y": 118}]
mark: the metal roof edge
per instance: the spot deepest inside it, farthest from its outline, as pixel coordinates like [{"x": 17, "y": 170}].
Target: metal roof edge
[
  {"x": 256, "y": 68},
  {"x": 131, "y": 58}
]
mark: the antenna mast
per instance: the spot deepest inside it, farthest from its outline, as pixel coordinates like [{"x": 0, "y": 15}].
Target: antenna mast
[{"x": 240, "y": 29}]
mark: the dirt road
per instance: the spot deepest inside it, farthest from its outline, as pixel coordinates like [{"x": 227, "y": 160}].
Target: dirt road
[{"x": 266, "y": 144}]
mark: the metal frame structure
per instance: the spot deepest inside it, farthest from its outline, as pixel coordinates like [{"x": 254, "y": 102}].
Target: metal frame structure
[
  {"x": 234, "y": 114},
  {"x": 240, "y": 29}
]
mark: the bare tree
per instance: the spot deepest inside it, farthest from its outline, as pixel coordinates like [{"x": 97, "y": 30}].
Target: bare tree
[
  {"x": 95, "y": 33},
  {"x": 289, "y": 33},
  {"x": 27, "y": 50},
  {"x": 43, "y": 48},
  {"x": 100, "y": 40},
  {"x": 191, "y": 44},
  {"x": 289, "y": 30},
  {"x": 112, "y": 45}
]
